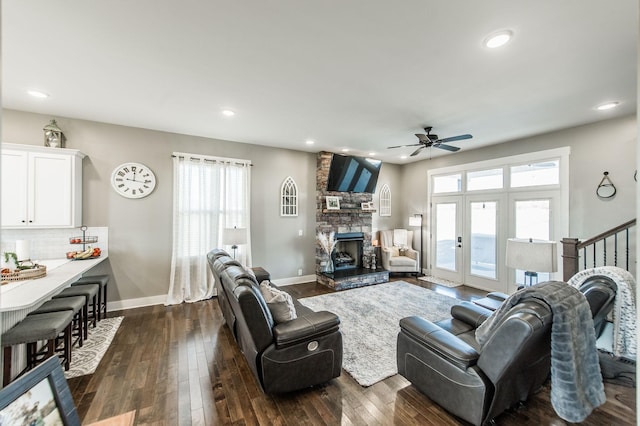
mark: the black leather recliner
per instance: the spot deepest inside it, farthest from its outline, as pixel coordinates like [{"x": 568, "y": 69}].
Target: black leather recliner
[
  {"x": 477, "y": 382},
  {"x": 600, "y": 292},
  {"x": 284, "y": 357}
]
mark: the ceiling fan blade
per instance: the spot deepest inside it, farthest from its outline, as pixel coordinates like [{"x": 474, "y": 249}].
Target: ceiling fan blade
[
  {"x": 423, "y": 138},
  {"x": 456, "y": 138},
  {"x": 447, "y": 147},
  {"x": 401, "y": 146},
  {"x": 414, "y": 153}
]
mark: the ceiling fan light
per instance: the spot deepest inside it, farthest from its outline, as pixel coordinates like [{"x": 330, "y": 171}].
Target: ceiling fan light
[
  {"x": 608, "y": 105},
  {"x": 498, "y": 39}
]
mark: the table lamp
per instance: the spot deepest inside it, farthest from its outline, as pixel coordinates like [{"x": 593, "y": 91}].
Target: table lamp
[
  {"x": 234, "y": 237},
  {"x": 532, "y": 256}
]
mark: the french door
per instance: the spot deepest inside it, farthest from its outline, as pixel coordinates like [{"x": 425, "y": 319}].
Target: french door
[
  {"x": 469, "y": 234},
  {"x": 466, "y": 234}
]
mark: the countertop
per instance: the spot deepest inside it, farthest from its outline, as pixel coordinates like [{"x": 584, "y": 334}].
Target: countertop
[{"x": 20, "y": 295}]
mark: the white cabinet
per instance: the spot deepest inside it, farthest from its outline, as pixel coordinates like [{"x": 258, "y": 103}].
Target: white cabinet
[{"x": 41, "y": 187}]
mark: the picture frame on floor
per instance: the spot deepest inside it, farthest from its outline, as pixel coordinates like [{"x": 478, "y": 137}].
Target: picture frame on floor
[{"x": 40, "y": 396}]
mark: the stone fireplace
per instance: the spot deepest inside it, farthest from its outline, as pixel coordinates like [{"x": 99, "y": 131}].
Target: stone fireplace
[{"x": 352, "y": 227}]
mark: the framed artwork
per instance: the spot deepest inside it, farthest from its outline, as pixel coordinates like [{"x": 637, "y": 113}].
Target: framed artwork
[
  {"x": 385, "y": 200},
  {"x": 289, "y": 198},
  {"x": 367, "y": 206},
  {"x": 41, "y": 396},
  {"x": 333, "y": 203}
]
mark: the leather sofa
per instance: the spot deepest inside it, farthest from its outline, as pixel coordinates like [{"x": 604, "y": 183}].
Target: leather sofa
[
  {"x": 285, "y": 356},
  {"x": 477, "y": 382}
]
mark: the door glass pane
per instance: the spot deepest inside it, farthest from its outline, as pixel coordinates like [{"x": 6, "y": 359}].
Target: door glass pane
[
  {"x": 484, "y": 179},
  {"x": 533, "y": 220},
  {"x": 449, "y": 183},
  {"x": 537, "y": 174},
  {"x": 446, "y": 236},
  {"x": 483, "y": 238}
]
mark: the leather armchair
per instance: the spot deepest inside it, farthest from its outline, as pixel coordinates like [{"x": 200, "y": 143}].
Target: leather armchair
[
  {"x": 396, "y": 260},
  {"x": 478, "y": 382},
  {"x": 600, "y": 292}
]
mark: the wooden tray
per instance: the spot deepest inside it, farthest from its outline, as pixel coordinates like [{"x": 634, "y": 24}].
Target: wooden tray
[{"x": 38, "y": 271}]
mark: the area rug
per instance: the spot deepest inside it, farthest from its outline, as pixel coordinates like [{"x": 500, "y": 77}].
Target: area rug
[
  {"x": 369, "y": 321},
  {"x": 85, "y": 360},
  {"x": 440, "y": 281}
]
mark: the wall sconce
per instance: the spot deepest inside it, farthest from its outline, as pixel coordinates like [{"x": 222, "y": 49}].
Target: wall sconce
[{"x": 53, "y": 136}]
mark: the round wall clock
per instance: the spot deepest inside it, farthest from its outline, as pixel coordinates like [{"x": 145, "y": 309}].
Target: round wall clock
[{"x": 133, "y": 180}]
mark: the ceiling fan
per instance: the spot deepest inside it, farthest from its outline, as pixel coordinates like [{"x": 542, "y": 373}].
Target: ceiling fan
[{"x": 430, "y": 140}]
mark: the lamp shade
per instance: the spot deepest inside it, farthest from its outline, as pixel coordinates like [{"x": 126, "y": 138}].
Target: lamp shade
[
  {"x": 234, "y": 236},
  {"x": 532, "y": 255},
  {"x": 415, "y": 220}
]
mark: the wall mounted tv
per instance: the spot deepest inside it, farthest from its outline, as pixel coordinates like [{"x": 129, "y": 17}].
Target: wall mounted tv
[{"x": 353, "y": 174}]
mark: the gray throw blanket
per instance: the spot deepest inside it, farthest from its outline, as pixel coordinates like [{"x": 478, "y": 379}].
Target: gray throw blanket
[{"x": 576, "y": 382}]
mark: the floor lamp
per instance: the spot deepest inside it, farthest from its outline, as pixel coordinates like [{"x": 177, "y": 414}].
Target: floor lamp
[
  {"x": 532, "y": 256},
  {"x": 234, "y": 237},
  {"x": 416, "y": 220}
]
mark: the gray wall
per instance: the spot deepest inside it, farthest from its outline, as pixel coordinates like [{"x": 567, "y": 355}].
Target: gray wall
[
  {"x": 604, "y": 146},
  {"x": 140, "y": 230}
]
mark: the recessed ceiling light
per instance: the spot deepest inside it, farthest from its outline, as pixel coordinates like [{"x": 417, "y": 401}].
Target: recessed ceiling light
[
  {"x": 498, "y": 39},
  {"x": 38, "y": 94},
  {"x": 403, "y": 157},
  {"x": 228, "y": 113},
  {"x": 372, "y": 154},
  {"x": 345, "y": 149},
  {"x": 607, "y": 106},
  {"x": 309, "y": 142}
]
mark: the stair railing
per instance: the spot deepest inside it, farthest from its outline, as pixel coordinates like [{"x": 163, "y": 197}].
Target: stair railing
[{"x": 593, "y": 252}]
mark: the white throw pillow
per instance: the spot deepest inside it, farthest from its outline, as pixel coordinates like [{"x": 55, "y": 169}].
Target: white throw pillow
[{"x": 279, "y": 302}]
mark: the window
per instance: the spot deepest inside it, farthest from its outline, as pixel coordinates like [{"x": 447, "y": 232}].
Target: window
[
  {"x": 210, "y": 194},
  {"x": 484, "y": 179},
  {"x": 289, "y": 198},
  {"x": 447, "y": 183},
  {"x": 536, "y": 174}
]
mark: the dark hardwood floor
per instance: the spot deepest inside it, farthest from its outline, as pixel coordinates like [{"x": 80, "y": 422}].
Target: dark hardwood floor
[{"x": 179, "y": 366}]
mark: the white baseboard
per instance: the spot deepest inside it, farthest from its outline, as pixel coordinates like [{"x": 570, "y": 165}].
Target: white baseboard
[
  {"x": 294, "y": 280},
  {"x": 159, "y": 300},
  {"x": 136, "y": 303}
]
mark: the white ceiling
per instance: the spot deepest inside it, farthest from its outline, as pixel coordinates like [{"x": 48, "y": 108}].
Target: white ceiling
[{"x": 356, "y": 74}]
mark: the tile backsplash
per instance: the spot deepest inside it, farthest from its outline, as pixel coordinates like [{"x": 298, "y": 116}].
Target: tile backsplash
[{"x": 52, "y": 243}]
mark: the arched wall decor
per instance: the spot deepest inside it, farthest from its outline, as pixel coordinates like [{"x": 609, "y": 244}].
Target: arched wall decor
[
  {"x": 385, "y": 200},
  {"x": 289, "y": 198}
]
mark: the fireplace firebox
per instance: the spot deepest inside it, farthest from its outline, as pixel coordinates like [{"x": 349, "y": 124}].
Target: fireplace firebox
[{"x": 348, "y": 251}]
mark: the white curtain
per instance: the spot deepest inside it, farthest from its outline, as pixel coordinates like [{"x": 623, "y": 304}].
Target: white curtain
[{"x": 209, "y": 195}]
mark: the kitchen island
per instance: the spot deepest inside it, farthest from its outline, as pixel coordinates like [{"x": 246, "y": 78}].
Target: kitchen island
[{"x": 18, "y": 298}]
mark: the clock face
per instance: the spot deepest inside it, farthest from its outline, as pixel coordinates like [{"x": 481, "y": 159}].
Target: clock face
[{"x": 133, "y": 180}]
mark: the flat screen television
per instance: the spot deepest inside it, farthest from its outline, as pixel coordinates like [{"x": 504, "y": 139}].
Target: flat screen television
[{"x": 353, "y": 174}]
